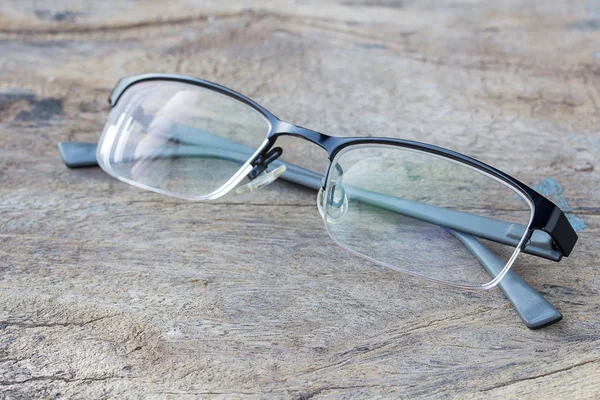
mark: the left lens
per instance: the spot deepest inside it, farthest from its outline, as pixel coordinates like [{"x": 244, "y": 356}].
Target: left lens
[
  {"x": 424, "y": 214},
  {"x": 179, "y": 139}
]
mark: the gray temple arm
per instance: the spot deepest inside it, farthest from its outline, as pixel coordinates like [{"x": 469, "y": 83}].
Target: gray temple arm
[
  {"x": 540, "y": 244},
  {"x": 534, "y": 310}
]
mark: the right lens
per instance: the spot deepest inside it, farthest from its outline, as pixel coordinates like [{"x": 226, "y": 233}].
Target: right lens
[
  {"x": 424, "y": 214},
  {"x": 179, "y": 139}
]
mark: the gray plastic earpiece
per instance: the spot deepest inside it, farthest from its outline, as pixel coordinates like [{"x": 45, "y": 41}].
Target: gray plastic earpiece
[
  {"x": 78, "y": 154},
  {"x": 535, "y": 311}
]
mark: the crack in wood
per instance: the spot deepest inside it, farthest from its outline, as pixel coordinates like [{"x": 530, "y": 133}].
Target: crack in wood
[
  {"x": 52, "y": 324},
  {"x": 132, "y": 26},
  {"x": 58, "y": 378},
  {"x": 530, "y": 378}
]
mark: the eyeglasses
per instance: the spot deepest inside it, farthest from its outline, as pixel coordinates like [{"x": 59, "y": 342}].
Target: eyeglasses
[{"x": 409, "y": 206}]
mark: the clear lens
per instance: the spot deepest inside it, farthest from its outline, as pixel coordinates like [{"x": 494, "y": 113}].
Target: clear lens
[
  {"x": 424, "y": 214},
  {"x": 179, "y": 139}
]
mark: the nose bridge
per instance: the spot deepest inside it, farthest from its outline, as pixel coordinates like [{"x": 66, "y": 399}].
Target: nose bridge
[{"x": 329, "y": 143}]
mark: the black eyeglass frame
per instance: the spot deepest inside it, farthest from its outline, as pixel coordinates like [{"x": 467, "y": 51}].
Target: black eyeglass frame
[{"x": 546, "y": 216}]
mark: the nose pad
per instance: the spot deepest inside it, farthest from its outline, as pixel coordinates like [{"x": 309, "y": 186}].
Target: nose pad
[
  {"x": 337, "y": 204},
  {"x": 262, "y": 180}
]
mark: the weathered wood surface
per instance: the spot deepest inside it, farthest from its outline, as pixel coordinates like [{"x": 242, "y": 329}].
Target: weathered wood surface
[{"x": 111, "y": 292}]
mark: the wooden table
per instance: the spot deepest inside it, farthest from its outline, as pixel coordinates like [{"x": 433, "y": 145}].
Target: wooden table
[{"x": 108, "y": 291}]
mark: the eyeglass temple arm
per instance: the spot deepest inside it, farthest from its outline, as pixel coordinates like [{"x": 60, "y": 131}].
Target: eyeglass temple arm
[
  {"x": 535, "y": 311},
  {"x": 77, "y": 155},
  {"x": 541, "y": 244}
]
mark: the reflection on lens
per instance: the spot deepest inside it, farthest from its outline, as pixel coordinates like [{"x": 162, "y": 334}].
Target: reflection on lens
[
  {"x": 402, "y": 208},
  {"x": 179, "y": 139}
]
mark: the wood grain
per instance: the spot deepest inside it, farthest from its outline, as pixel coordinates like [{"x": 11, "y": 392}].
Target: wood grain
[{"x": 111, "y": 292}]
